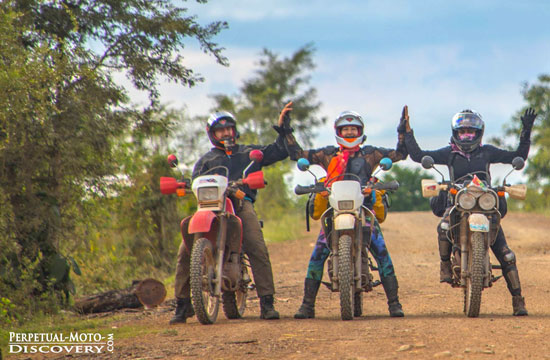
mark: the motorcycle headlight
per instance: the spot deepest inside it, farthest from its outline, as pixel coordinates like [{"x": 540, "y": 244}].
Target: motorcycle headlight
[
  {"x": 345, "y": 205},
  {"x": 467, "y": 201},
  {"x": 207, "y": 193},
  {"x": 487, "y": 201}
]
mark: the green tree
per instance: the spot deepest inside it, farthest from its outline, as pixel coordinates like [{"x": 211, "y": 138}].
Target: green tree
[
  {"x": 409, "y": 195},
  {"x": 537, "y": 96},
  {"x": 62, "y": 114}
]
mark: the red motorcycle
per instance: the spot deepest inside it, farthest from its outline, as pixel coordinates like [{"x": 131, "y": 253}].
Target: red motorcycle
[{"x": 213, "y": 237}]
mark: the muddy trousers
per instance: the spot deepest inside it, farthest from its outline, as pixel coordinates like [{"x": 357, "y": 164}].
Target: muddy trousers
[
  {"x": 504, "y": 255},
  {"x": 253, "y": 245},
  {"x": 378, "y": 250}
]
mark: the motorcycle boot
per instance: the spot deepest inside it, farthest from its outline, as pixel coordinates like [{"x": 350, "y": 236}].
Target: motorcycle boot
[
  {"x": 307, "y": 309},
  {"x": 268, "y": 312},
  {"x": 518, "y": 303},
  {"x": 445, "y": 268},
  {"x": 511, "y": 275},
  {"x": 445, "y": 272},
  {"x": 390, "y": 288},
  {"x": 184, "y": 310}
]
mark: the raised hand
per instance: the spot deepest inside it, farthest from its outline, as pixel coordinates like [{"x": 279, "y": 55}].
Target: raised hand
[
  {"x": 404, "y": 125},
  {"x": 284, "y": 117},
  {"x": 528, "y": 118}
]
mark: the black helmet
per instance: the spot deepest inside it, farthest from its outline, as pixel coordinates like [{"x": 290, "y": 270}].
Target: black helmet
[
  {"x": 220, "y": 120},
  {"x": 467, "y": 119}
]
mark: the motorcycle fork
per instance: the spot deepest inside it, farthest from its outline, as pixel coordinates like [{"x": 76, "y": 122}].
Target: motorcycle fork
[
  {"x": 464, "y": 237},
  {"x": 334, "y": 254},
  {"x": 220, "y": 252},
  {"x": 358, "y": 242}
]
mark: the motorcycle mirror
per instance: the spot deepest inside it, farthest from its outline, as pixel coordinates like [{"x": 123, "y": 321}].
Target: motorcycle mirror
[
  {"x": 427, "y": 162},
  {"x": 385, "y": 164},
  {"x": 303, "y": 164},
  {"x": 172, "y": 160},
  {"x": 518, "y": 163},
  {"x": 256, "y": 156}
]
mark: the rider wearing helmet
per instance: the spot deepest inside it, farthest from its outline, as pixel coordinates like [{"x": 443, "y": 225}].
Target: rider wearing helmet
[
  {"x": 348, "y": 157},
  {"x": 468, "y": 128},
  {"x": 465, "y": 154},
  {"x": 225, "y": 139},
  {"x": 222, "y": 131}
]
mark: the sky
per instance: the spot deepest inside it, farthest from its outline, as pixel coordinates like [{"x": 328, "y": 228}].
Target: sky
[{"x": 436, "y": 56}]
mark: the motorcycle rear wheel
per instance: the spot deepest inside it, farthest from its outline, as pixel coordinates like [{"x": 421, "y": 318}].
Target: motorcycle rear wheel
[
  {"x": 234, "y": 303},
  {"x": 345, "y": 277},
  {"x": 203, "y": 274},
  {"x": 474, "y": 283}
]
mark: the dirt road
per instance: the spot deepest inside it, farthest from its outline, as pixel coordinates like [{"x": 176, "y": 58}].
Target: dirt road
[{"x": 434, "y": 325}]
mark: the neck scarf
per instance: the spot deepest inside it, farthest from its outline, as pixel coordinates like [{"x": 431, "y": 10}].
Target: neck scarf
[{"x": 339, "y": 163}]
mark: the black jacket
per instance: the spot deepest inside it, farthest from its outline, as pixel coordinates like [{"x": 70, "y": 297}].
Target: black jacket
[
  {"x": 238, "y": 161},
  {"x": 479, "y": 160},
  {"x": 362, "y": 163}
]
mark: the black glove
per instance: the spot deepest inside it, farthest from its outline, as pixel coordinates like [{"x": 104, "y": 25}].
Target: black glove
[
  {"x": 528, "y": 119},
  {"x": 286, "y": 120},
  {"x": 404, "y": 122}
]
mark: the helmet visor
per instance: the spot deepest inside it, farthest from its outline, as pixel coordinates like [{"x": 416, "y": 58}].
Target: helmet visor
[{"x": 467, "y": 120}]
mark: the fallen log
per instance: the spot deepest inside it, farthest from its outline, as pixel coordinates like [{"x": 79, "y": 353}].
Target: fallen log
[{"x": 148, "y": 292}]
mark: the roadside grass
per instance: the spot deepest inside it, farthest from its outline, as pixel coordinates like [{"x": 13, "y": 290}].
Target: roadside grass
[{"x": 287, "y": 227}]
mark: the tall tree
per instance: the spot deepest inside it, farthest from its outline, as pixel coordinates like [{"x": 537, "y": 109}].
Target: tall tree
[
  {"x": 537, "y": 96},
  {"x": 62, "y": 112}
]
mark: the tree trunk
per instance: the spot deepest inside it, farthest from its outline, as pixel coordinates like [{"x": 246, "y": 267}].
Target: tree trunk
[{"x": 109, "y": 301}]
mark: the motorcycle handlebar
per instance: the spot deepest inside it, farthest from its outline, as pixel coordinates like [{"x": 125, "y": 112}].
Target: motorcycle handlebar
[
  {"x": 301, "y": 190},
  {"x": 392, "y": 185}
]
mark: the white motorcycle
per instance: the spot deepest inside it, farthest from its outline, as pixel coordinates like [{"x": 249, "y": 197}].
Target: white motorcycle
[{"x": 347, "y": 224}]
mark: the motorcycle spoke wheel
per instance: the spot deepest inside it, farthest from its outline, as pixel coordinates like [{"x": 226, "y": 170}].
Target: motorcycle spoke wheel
[
  {"x": 203, "y": 270},
  {"x": 345, "y": 277},
  {"x": 234, "y": 303},
  {"x": 474, "y": 283}
]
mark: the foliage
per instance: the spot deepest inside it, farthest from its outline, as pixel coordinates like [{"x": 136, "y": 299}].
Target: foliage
[
  {"x": 409, "y": 195},
  {"x": 537, "y": 96},
  {"x": 261, "y": 98},
  {"x": 62, "y": 114}
]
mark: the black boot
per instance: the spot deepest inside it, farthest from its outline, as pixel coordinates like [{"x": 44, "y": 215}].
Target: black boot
[
  {"x": 518, "y": 303},
  {"x": 358, "y": 304},
  {"x": 445, "y": 268},
  {"x": 268, "y": 312},
  {"x": 390, "y": 287},
  {"x": 184, "y": 309},
  {"x": 514, "y": 286},
  {"x": 307, "y": 309},
  {"x": 445, "y": 272}
]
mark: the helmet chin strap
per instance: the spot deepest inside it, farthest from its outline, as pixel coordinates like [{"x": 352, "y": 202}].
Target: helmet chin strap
[{"x": 228, "y": 144}]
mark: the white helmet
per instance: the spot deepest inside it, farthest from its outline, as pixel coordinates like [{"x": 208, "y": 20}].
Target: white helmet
[{"x": 349, "y": 118}]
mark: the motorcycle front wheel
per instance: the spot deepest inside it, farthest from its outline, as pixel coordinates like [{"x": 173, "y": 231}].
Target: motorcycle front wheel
[
  {"x": 203, "y": 274},
  {"x": 345, "y": 277},
  {"x": 474, "y": 283}
]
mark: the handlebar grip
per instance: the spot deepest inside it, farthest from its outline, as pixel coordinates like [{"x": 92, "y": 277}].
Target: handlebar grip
[
  {"x": 301, "y": 190},
  {"x": 392, "y": 185}
]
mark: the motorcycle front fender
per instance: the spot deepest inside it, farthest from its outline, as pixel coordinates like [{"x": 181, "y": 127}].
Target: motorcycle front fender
[
  {"x": 478, "y": 222},
  {"x": 201, "y": 222},
  {"x": 344, "y": 222}
]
